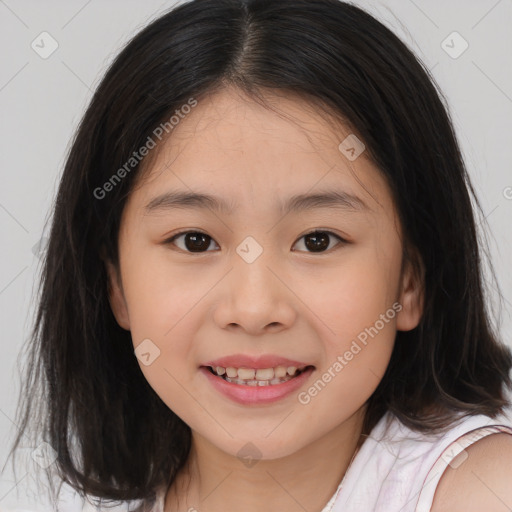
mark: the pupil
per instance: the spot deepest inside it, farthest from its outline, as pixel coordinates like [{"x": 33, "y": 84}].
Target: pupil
[
  {"x": 320, "y": 240},
  {"x": 196, "y": 242}
]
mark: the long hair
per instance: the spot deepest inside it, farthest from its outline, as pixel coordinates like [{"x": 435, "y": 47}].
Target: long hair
[{"x": 83, "y": 388}]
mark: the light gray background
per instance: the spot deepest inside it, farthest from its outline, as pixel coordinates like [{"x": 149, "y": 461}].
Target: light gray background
[{"x": 42, "y": 100}]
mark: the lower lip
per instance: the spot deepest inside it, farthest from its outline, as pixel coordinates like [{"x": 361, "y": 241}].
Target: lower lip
[{"x": 247, "y": 395}]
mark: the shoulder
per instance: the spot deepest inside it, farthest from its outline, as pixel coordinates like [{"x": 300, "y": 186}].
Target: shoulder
[{"x": 481, "y": 480}]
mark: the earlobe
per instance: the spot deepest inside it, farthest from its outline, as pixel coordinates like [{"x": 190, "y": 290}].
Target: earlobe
[
  {"x": 116, "y": 296},
  {"x": 411, "y": 295}
]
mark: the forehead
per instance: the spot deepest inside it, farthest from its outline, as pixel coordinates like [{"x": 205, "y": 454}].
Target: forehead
[
  {"x": 229, "y": 121},
  {"x": 245, "y": 152}
]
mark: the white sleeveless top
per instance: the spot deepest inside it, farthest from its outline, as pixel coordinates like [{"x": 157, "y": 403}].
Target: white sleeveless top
[{"x": 396, "y": 468}]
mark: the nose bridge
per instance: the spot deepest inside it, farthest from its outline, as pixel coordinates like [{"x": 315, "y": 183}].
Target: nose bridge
[{"x": 251, "y": 268}]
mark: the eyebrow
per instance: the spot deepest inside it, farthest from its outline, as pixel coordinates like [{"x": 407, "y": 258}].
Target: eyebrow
[{"x": 176, "y": 199}]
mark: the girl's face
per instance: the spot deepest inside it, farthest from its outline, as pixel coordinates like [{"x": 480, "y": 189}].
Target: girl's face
[{"x": 252, "y": 279}]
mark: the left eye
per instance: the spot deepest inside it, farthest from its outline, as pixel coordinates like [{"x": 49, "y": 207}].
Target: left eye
[
  {"x": 318, "y": 241},
  {"x": 197, "y": 241}
]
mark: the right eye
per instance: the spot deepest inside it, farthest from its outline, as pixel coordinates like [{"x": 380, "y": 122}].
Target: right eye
[{"x": 193, "y": 241}]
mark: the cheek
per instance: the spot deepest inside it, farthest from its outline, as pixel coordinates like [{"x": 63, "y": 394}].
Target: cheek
[
  {"x": 358, "y": 309},
  {"x": 346, "y": 382},
  {"x": 161, "y": 301},
  {"x": 353, "y": 295},
  {"x": 160, "y": 295},
  {"x": 355, "y": 362}
]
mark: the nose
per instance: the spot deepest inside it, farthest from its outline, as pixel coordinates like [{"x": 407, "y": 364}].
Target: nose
[{"x": 256, "y": 299}]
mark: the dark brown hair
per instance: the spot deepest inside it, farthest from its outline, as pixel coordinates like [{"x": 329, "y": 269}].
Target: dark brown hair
[{"x": 83, "y": 388}]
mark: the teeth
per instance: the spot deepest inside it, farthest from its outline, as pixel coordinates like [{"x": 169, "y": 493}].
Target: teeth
[
  {"x": 257, "y": 377},
  {"x": 231, "y": 372},
  {"x": 262, "y": 374},
  {"x": 280, "y": 371},
  {"x": 258, "y": 382},
  {"x": 248, "y": 373}
]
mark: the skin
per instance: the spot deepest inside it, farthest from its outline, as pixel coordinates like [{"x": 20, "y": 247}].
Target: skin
[
  {"x": 290, "y": 301},
  {"x": 481, "y": 482}
]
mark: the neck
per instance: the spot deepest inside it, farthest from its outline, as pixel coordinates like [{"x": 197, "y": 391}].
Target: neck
[{"x": 214, "y": 481}]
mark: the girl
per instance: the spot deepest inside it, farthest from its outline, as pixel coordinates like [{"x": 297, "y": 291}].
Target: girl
[{"x": 263, "y": 285}]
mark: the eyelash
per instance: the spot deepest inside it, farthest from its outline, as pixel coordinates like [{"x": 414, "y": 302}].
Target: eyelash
[{"x": 177, "y": 235}]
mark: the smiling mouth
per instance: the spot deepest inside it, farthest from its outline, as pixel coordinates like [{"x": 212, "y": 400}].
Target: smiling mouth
[{"x": 257, "y": 377}]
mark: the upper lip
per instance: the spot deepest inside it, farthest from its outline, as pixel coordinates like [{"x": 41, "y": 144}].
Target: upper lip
[{"x": 256, "y": 362}]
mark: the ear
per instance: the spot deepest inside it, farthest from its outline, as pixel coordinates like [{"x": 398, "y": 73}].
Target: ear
[
  {"x": 116, "y": 296},
  {"x": 411, "y": 295}
]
